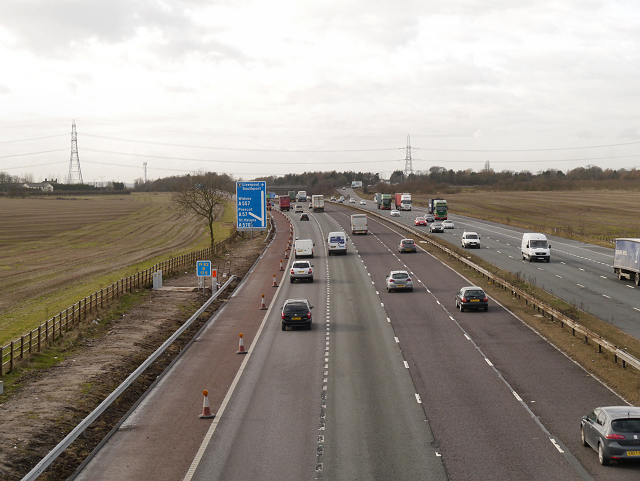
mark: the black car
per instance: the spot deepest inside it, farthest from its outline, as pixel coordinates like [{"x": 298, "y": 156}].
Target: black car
[
  {"x": 296, "y": 313},
  {"x": 304, "y": 216},
  {"x": 472, "y": 297},
  {"x": 614, "y": 432}
]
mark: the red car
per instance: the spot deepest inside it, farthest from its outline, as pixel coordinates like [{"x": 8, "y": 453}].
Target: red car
[{"x": 420, "y": 221}]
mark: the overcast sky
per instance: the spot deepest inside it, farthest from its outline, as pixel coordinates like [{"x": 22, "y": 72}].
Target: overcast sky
[{"x": 256, "y": 88}]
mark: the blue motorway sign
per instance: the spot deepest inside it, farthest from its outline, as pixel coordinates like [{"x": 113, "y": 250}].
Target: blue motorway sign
[
  {"x": 203, "y": 268},
  {"x": 251, "y": 205}
]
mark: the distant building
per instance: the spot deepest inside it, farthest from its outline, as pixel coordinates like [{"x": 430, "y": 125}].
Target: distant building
[{"x": 44, "y": 186}]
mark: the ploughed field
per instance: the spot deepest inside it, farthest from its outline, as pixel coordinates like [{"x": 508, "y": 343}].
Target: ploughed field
[
  {"x": 55, "y": 251},
  {"x": 587, "y": 214}
]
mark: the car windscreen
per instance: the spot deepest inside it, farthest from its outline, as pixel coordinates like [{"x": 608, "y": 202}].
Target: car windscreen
[
  {"x": 400, "y": 275},
  {"x": 629, "y": 425},
  {"x": 295, "y": 307},
  {"x": 474, "y": 293},
  {"x": 336, "y": 239},
  {"x": 300, "y": 265},
  {"x": 407, "y": 242},
  {"x": 472, "y": 236},
  {"x": 538, "y": 244}
]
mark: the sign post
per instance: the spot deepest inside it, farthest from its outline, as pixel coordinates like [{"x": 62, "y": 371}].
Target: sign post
[
  {"x": 251, "y": 206},
  {"x": 203, "y": 269}
]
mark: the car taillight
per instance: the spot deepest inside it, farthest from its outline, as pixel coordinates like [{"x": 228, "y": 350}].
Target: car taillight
[
  {"x": 615, "y": 436},
  {"x": 308, "y": 314},
  {"x": 292, "y": 271},
  {"x": 310, "y": 271},
  {"x": 486, "y": 299},
  {"x": 463, "y": 299},
  {"x": 283, "y": 315},
  {"x": 409, "y": 279},
  {"x": 391, "y": 281}
]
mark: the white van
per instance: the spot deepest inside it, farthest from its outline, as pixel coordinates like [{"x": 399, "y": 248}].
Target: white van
[
  {"x": 303, "y": 248},
  {"x": 535, "y": 246},
  {"x": 337, "y": 243}
]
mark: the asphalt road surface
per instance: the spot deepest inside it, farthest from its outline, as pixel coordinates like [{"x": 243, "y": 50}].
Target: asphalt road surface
[
  {"x": 579, "y": 273},
  {"x": 385, "y": 385}
]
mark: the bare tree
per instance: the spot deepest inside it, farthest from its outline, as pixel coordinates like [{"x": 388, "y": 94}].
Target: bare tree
[{"x": 203, "y": 194}]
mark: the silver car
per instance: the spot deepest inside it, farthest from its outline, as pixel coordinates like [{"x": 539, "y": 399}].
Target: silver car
[
  {"x": 301, "y": 270},
  {"x": 614, "y": 432},
  {"x": 399, "y": 280}
]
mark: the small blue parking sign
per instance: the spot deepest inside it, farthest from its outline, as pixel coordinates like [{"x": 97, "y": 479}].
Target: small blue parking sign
[
  {"x": 203, "y": 268},
  {"x": 251, "y": 201}
]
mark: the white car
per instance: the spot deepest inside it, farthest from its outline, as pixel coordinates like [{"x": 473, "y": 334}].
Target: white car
[
  {"x": 447, "y": 224},
  {"x": 395, "y": 213},
  {"x": 363, "y": 202},
  {"x": 352, "y": 200},
  {"x": 298, "y": 209},
  {"x": 301, "y": 270}
]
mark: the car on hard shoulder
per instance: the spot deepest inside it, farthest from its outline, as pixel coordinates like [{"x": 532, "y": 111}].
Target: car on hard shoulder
[
  {"x": 406, "y": 245},
  {"x": 447, "y": 224},
  {"x": 614, "y": 432},
  {"x": 333, "y": 198},
  {"x": 420, "y": 221},
  {"x": 429, "y": 218},
  {"x": 472, "y": 297},
  {"x": 301, "y": 271},
  {"x": 470, "y": 239},
  {"x": 298, "y": 209},
  {"x": 399, "y": 280},
  {"x": 296, "y": 313},
  {"x": 394, "y": 213},
  {"x": 352, "y": 200},
  {"x": 436, "y": 227},
  {"x": 363, "y": 202},
  {"x": 304, "y": 216}
]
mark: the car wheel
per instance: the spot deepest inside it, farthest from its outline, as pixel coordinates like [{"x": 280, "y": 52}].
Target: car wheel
[
  {"x": 311, "y": 280},
  {"x": 411, "y": 290},
  {"x": 284, "y": 328},
  {"x": 291, "y": 279},
  {"x": 486, "y": 309},
  {"x": 309, "y": 327},
  {"x": 461, "y": 308},
  {"x": 582, "y": 438},
  {"x": 601, "y": 457}
]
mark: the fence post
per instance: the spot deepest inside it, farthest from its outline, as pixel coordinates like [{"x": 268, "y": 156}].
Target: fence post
[
  {"x": 39, "y": 336},
  {"x": 11, "y": 357},
  {"x": 21, "y": 347},
  {"x": 30, "y": 341},
  {"x": 1, "y": 361}
]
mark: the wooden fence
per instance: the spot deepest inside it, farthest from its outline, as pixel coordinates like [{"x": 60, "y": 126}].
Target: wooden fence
[{"x": 38, "y": 339}]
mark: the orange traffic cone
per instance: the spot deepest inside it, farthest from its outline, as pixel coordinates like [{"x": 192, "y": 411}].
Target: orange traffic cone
[
  {"x": 281, "y": 267},
  {"x": 286, "y": 256},
  {"x": 241, "y": 346},
  {"x": 206, "y": 410},
  {"x": 274, "y": 281},
  {"x": 263, "y": 306}
]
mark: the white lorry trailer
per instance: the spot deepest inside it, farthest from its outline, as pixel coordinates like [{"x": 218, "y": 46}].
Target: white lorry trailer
[
  {"x": 359, "y": 224},
  {"x": 626, "y": 259},
  {"x": 317, "y": 203}
]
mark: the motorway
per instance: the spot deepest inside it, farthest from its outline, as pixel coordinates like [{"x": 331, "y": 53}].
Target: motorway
[
  {"x": 390, "y": 385},
  {"x": 579, "y": 273}
]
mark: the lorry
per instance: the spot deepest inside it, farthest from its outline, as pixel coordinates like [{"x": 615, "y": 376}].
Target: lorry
[
  {"x": 377, "y": 198},
  {"x": 385, "y": 202},
  {"x": 403, "y": 201},
  {"x": 317, "y": 203},
  {"x": 438, "y": 207},
  {"x": 359, "y": 224},
  {"x": 302, "y": 196},
  {"x": 292, "y": 195},
  {"x": 356, "y": 184},
  {"x": 285, "y": 202},
  {"x": 535, "y": 246},
  {"x": 626, "y": 259}
]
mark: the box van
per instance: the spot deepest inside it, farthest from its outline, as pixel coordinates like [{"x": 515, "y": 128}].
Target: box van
[
  {"x": 337, "y": 243},
  {"x": 303, "y": 248},
  {"x": 359, "y": 224},
  {"x": 535, "y": 246}
]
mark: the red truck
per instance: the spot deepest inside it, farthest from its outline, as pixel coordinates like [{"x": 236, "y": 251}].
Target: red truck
[{"x": 285, "y": 202}]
